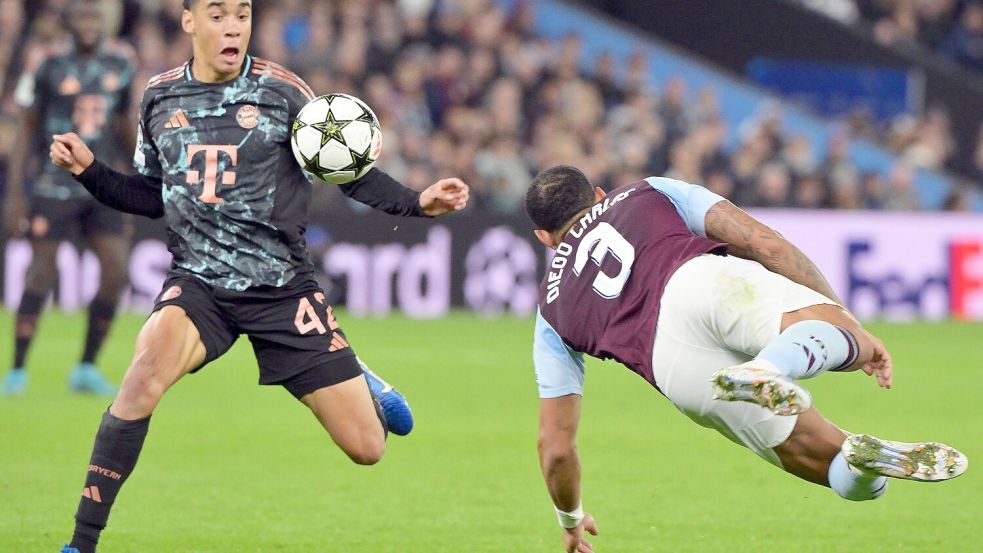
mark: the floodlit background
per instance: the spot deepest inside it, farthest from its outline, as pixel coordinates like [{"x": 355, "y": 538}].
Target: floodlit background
[{"x": 851, "y": 126}]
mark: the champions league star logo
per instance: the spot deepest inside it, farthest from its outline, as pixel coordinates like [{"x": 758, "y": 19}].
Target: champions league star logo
[{"x": 501, "y": 274}]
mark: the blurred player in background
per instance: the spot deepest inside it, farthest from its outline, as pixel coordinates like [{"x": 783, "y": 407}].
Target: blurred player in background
[
  {"x": 86, "y": 91},
  {"x": 214, "y": 158},
  {"x": 715, "y": 310}
]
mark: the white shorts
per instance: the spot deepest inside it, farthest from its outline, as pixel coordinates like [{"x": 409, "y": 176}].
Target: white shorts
[{"x": 719, "y": 312}]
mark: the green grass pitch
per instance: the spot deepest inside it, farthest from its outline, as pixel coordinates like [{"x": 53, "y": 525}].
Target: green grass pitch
[{"x": 233, "y": 467}]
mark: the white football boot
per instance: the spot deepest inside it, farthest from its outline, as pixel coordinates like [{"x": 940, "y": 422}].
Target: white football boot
[
  {"x": 760, "y": 382},
  {"x": 925, "y": 461}
]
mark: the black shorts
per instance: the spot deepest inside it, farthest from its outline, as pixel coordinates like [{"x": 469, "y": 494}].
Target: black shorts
[
  {"x": 57, "y": 219},
  {"x": 296, "y": 339}
]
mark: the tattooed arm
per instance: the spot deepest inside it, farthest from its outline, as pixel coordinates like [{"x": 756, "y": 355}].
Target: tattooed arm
[{"x": 748, "y": 238}]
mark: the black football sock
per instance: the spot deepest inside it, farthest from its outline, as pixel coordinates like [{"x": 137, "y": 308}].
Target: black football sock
[
  {"x": 114, "y": 455},
  {"x": 101, "y": 313},
  {"x": 26, "y": 324}
]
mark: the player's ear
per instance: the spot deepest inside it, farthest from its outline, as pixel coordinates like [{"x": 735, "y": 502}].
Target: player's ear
[
  {"x": 599, "y": 194},
  {"x": 545, "y": 239},
  {"x": 187, "y": 22}
]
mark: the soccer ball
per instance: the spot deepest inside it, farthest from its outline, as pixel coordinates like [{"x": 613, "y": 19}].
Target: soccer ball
[{"x": 336, "y": 138}]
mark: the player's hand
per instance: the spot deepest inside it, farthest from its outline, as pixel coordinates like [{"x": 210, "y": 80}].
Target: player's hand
[
  {"x": 444, "y": 196},
  {"x": 880, "y": 365},
  {"x": 70, "y": 153},
  {"x": 573, "y": 538},
  {"x": 15, "y": 215}
]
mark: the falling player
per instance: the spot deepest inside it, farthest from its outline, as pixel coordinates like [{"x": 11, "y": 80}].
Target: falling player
[
  {"x": 214, "y": 158},
  {"x": 715, "y": 310},
  {"x": 86, "y": 91}
]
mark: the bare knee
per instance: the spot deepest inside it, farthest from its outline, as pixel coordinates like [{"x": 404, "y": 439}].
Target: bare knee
[
  {"x": 41, "y": 273},
  {"x": 141, "y": 391},
  {"x": 368, "y": 450}
]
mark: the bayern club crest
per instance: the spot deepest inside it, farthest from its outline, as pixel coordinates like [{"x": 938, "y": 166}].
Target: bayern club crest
[{"x": 248, "y": 117}]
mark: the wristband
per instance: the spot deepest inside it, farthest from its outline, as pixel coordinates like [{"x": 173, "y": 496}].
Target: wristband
[{"x": 571, "y": 519}]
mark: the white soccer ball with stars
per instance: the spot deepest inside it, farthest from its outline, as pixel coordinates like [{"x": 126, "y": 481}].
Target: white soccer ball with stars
[{"x": 336, "y": 138}]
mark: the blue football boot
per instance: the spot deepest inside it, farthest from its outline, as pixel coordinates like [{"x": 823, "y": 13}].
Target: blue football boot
[
  {"x": 86, "y": 378},
  {"x": 14, "y": 383},
  {"x": 67, "y": 549},
  {"x": 399, "y": 417}
]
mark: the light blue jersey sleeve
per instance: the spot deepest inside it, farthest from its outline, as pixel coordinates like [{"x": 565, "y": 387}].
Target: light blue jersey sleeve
[
  {"x": 559, "y": 369},
  {"x": 691, "y": 201}
]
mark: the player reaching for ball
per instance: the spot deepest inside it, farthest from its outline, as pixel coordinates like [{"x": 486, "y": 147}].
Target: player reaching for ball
[
  {"x": 716, "y": 311},
  {"x": 214, "y": 158}
]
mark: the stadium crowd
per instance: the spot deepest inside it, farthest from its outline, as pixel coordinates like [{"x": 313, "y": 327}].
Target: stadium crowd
[
  {"x": 951, "y": 28},
  {"x": 466, "y": 88}
]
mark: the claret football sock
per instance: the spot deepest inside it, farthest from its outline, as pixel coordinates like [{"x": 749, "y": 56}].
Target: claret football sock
[
  {"x": 808, "y": 348},
  {"x": 114, "y": 455}
]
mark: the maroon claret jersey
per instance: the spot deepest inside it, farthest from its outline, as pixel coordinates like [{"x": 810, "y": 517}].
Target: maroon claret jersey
[{"x": 603, "y": 288}]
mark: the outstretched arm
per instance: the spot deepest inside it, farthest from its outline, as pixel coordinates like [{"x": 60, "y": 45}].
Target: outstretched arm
[
  {"x": 750, "y": 239},
  {"x": 135, "y": 194},
  {"x": 378, "y": 190},
  {"x": 560, "y": 462}
]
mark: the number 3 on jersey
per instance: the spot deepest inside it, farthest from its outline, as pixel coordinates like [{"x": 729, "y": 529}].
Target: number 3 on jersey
[{"x": 602, "y": 240}]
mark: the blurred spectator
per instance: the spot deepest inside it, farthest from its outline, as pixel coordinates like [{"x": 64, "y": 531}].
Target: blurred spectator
[
  {"x": 965, "y": 43},
  {"x": 901, "y": 194},
  {"x": 811, "y": 193},
  {"x": 466, "y": 88}
]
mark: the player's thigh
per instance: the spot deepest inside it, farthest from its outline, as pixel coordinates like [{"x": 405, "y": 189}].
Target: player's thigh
[
  {"x": 347, "y": 412},
  {"x": 300, "y": 346},
  {"x": 43, "y": 268},
  {"x": 811, "y": 447},
  {"x": 683, "y": 371},
  {"x": 168, "y": 347},
  {"x": 111, "y": 249},
  {"x": 736, "y": 303},
  {"x": 185, "y": 331}
]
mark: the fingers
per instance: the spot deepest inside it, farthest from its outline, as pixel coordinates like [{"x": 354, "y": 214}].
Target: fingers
[
  {"x": 585, "y": 547},
  {"x": 452, "y": 193},
  {"x": 60, "y": 154},
  {"x": 451, "y": 184},
  {"x": 71, "y": 140}
]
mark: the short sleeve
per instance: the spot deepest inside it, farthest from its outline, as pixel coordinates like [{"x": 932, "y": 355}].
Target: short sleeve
[
  {"x": 691, "y": 201},
  {"x": 559, "y": 369}
]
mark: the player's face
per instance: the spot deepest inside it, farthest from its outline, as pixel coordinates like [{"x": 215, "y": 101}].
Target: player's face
[
  {"x": 87, "y": 24},
  {"x": 220, "y": 32}
]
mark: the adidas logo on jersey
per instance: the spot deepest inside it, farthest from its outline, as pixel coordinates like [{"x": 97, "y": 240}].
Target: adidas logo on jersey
[{"x": 177, "y": 120}]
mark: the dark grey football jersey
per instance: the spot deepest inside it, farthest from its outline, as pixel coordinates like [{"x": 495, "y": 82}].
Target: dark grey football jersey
[
  {"x": 84, "y": 95},
  {"x": 234, "y": 197}
]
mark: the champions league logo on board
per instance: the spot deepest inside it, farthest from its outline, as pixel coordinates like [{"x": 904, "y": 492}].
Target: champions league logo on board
[{"x": 501, "y": 274}]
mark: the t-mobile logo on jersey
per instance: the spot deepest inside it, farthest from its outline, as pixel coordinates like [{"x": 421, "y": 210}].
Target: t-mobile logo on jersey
[{"x": 210, "y": 184}]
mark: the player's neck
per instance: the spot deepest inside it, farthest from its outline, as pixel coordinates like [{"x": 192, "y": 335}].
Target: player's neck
[
  {"x": 202, "y": 72},
  {"x": 562, "y": 233}
]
